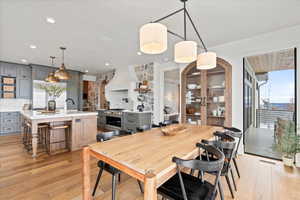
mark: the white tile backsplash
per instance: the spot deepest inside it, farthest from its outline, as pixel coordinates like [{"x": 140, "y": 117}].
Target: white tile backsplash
[{"x": 7, "y": 105}]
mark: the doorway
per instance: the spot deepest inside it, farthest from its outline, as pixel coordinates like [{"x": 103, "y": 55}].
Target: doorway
[{"x": 269, "y": 96}]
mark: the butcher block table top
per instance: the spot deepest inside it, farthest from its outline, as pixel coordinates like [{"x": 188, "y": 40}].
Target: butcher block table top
[{"x": 147, "y": 156}]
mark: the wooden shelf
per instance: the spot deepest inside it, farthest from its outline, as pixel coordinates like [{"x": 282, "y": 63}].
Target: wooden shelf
[
  {"x": 211, "y": 116},
  {"x": 141, "y": 90}
]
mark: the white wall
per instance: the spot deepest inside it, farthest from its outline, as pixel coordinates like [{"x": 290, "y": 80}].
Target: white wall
[{"x": 234, "y": 53}]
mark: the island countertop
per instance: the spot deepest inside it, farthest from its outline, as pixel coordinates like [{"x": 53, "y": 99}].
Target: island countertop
[
  {"x": 83, "y": 126},
  {"x": 61, "y": 114}
]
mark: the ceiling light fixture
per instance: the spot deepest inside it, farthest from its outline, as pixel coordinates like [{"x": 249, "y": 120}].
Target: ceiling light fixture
[
  {"x": 153, "y": 40},
  {"x": 107, "y": 64},
  {"x": 62, "y": 73},
  {"x": 139, "y": 53},
  {"x": 86, "y": 71},
  {"x": 24, "y": 60},
  {"x": 32, "y": 46},
  {"x": 50, "y": 20},
  {"x": 51, "y": 78}
]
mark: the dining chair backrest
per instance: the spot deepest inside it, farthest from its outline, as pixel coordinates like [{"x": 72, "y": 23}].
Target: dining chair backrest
[
  {"x": 224, "y": 143},
  {"x": 143, "y": 128},
  {"x": 236, "y": 133},
  {"x": 201, "y": 165},
  {"x": 106, "y": 136}
]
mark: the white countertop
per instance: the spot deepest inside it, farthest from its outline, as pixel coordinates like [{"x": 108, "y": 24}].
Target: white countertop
[
  {"x": 38, "y": 115},
  {"x": 129, "y": 111}
]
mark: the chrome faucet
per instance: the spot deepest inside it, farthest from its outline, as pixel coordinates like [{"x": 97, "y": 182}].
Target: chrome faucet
[{"x": 70, "y": 99}]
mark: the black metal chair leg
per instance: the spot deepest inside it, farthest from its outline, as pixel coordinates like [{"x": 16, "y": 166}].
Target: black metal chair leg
[
  {"x": 192, "y": 172},
  {"x": 220, "y": 190},
  {"x": 97, "y": 181},
  {"x": 119, "y": 177},
  {"x": 233, "y": 179},
  {"x": 236, "y": 167},
  {"x": 140, "y": 185},
  {"x": 113, "y": 194},
  {"x": 229, "y": 185}
]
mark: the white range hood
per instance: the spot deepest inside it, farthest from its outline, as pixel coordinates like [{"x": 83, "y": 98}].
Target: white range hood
[{"x": 122, "y": 79}]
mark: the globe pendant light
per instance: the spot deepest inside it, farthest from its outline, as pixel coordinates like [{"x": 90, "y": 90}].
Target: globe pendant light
[
  {"x": 62, "y": 73},
  {"x": 185, "y": 52},
  {"x": 207, "y": 60},
  {"x": 153, "y": 38},
  {"x": 51, "y": 78}
]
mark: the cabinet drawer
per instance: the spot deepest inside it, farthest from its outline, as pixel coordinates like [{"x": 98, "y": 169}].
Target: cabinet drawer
[
  {"x": 9, "y": 114},
  {"x": 9, "y": 128}
]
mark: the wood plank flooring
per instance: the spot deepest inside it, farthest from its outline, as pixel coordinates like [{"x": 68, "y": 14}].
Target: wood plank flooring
[{"x": 58, "y": 177}]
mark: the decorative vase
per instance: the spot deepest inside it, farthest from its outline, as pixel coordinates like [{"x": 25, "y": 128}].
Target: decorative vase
[
  {"x": 51, "y": 105},
  {"x": 288, "y": 161}
]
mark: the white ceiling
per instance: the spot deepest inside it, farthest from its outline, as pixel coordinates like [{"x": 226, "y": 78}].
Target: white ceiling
[{"x": 97, "y": 31}]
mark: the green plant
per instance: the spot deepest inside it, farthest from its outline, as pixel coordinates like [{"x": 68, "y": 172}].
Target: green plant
[
  {"x": 289, "y": 142},
  {"x": 53, "y": 90}
]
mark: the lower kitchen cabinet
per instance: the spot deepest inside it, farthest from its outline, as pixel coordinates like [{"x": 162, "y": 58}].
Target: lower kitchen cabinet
[
  {"x": 84, "y": 131},
  {"x": 10, "y": 123},
  {"x": 133, "y": 120}
]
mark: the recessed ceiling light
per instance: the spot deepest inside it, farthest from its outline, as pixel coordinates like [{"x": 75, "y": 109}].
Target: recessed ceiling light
[
  {"x": 86, "y": 71},
  {"x": 139, "y": 53},
  {"x": 32, "y": 46},
  {"x": 50, "y": 20},
  {"x": 107, "y": 64},
  {"x": 24, "y": 60}
]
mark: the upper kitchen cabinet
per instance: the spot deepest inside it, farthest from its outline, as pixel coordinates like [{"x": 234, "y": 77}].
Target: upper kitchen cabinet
[
  {"x": 8, "y": 69},
  {"x": 73, "y": 90},
  {"x": 24, "y": 82},
  {"x": 40, "y": 72}
]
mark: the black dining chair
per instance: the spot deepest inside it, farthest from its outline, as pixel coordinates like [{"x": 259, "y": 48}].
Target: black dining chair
[
  {"x": 226, "y": 144},
  {"x": 236, "y": 133},
  {"x": 143, "y": 128},
  {"x": 184, "y": 186},
  {"x": 108, "y": 168}
]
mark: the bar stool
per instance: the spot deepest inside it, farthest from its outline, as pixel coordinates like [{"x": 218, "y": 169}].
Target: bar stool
[
  {"x": 27, "y": 135},
  {"x": 50, "y": 134}
]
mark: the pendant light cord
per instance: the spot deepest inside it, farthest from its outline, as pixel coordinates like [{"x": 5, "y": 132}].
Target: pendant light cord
[{"x": 184, "y": 19}]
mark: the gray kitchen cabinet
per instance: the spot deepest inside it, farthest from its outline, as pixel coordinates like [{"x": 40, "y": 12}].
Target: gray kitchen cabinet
[
  {"x": 73, "y": 89},
  {"x": 24, "y": 88},
  {"x": 40, "y": 72},
  {"x": 24, "y": 82},
  {"x": 133, "y": 120},
  {"x": 8, "y": 69},
  {"x": 10, "y": 122}
]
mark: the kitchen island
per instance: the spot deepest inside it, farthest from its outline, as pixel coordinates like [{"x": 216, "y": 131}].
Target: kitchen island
[{"x": 83, "y": 126}]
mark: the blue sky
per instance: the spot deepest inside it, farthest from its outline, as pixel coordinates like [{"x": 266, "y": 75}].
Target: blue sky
[{"x": 280, "y": 87}]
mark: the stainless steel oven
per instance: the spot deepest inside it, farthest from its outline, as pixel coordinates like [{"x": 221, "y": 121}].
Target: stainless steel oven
[{"x": 114, "y": 119}]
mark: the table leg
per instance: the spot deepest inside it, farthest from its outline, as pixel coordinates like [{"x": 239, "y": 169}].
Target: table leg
[
  {"x": 34, "y": 133},
  {"x": 150, "y": 192},
  {"x": 86, "y": 174}
]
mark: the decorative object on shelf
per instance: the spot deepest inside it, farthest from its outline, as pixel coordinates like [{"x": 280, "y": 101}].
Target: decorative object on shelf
[
  {"x": 51, "y": 78},
  {"x": 62, "y": 73},
  {"x": 54, "y": 91},
  {"x": 289, "y": 144},
  {"x": 141, "y": 107},
  {"x": 153, "y": 40},
  {"x": 192, "y": 86},
  {"x": 173, "y": 129},
  {"x": 8, "y": 85}
]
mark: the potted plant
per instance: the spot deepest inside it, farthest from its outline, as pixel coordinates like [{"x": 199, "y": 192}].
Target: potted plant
[
  {"x": 288, "y": 144},
  {"x": 54, "y": 91}
]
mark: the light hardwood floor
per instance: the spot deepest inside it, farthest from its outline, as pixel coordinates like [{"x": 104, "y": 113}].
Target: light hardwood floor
[{"x": 58, "y": 177}]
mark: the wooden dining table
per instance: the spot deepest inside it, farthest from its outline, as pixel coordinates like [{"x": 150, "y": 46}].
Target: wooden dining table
[{"x": 146, "y": 156}]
